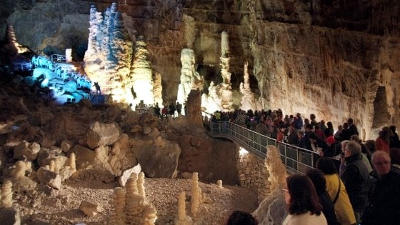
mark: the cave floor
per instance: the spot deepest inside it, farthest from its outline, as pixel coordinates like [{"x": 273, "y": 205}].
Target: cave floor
[{"x": 62, "y": 206}]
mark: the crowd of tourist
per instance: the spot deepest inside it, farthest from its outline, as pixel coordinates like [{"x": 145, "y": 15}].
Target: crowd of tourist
[{"x": 353, "y": 182}]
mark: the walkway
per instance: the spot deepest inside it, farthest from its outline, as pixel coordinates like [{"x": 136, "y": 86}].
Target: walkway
[{"x": 297, "y": 160}]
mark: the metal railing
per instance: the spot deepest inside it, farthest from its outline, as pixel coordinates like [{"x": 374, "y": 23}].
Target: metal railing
[{"x": 296, "y": 159}]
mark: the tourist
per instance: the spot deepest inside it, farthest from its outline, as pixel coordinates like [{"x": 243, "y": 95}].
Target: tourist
[
  {"x": 352, "y": 128},
  {"x": 355, "y": 178},
  {"x": 395, "y": 158},
  {"x": 337, "y": 192},
  {"x": 364, "y": 153},
  {"x": 241, "y": 218},
  {"x": 384, "y": 204},
  {"x": 317, "y": 177},
  {"x": 382, "y": 143},
  {"x": 394, "y": 138},
  {"x": 302, "y": 202}
]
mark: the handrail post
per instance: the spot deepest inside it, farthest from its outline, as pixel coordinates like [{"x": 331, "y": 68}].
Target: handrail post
[{"x": 297, "y": 159}]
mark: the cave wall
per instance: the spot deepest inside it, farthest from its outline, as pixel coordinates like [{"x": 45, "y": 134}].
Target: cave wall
[{"x": 327, "y": 57}]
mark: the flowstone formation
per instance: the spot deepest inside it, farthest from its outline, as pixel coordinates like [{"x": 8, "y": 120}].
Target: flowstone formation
[
  {"x": 219, "y": 96},
  {"x": 109, "y": 54},
  {"x": 271, "y": 210},
  {"x": 249, "y": 100},
  {"x": 190, "y": 78}
]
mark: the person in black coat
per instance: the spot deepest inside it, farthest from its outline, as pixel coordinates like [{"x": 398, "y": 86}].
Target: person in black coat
[
  {"x": 318, "y": 179},
  {"x": 384, "y": 203},
  {"x": 356, "y": 178}
]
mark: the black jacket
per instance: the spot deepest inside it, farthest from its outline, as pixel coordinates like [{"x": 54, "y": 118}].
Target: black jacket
[
  {"x": 384, "y": 201},
  {"x": 356, "y": 179}
]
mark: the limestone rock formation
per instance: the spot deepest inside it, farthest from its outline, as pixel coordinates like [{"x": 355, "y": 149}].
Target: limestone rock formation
[
  {"x": 26, "y": 150},
  {"x": 219, "y": 97},
  {"x": 89, "y": 208},
  {"x": 272, "y": 208},
  {"x": 249, "y": 100},
  {"x": 158, "y": 158},
  {"x": 190, "y": 78},
  {"x": 127, "y": 174},
  {"x": 48, "y": 177},
  {"x": 219, "y": 183},
  {"x": 141, "y": 75},
  {"x": 101, "y": 134},
  {"x": 193, "y": 108},
  {"x": 276, "y": 169},
  {"x": 108, "y": 58}
]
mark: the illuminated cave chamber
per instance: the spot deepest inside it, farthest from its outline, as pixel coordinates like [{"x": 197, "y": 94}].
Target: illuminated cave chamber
[
  {"x": 65, "y": 83},
  {"x": 249, "y": 101}
]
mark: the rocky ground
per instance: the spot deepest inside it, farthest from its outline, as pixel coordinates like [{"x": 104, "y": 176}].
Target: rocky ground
[{"x": 62, "y": 206}]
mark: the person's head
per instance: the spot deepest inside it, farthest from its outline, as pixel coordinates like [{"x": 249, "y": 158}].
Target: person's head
[
  {"x": 381, "y": 162},
  {"x": 350, "y": 121},
  {"x": 355, "y": 138},
  {"x": 312, "y": 117},
  {"x": 318, "y": 179},
  {"x": 340, "y": 128},
  {"x": 345, "y": 126},
  {"x": 352, "y": 148},
  {"x": 370, "y": 145},
  {"x": 395, "y": 155},
  {"x": 343, "y": 145},
  {"x": 301, "y": 196},
  {"x": 326, "y": 165},
  {"x": 298, "y": 115},
  {"x": 329, "y": 124},
  {"x": 308, "y": 128},
  {"x": 241, "y": 218},
  {"x": 393, "y": 129},
  {"x": 300, "y": 133},
  {"x": 385, "y": 133}
]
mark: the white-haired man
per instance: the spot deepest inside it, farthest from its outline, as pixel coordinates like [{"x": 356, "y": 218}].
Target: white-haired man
[{"x": 384, "y": 200}]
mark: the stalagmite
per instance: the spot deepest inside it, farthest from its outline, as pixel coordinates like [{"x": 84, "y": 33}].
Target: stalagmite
[
  {"x": 72, "y": 162},
  {"x": 118, "y": 218},
  {"x": 149, "y": 215},
  {"x": 219, "y": 183},
  {"x": 19, "y": 170},
  {"x": 182, "y": 219},
  {"x": 133, "y": 207},
  {"x": 52, "y": 166},
  {"x": 276, "y": 169},
  {"x": 6, "y": 194},
  {"x": 196, "y": 194},
  {"x": 140, "y": 185}
]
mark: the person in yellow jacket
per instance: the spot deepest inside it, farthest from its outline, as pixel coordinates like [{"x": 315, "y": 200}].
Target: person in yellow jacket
[{"x": 337, "y": 192}]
